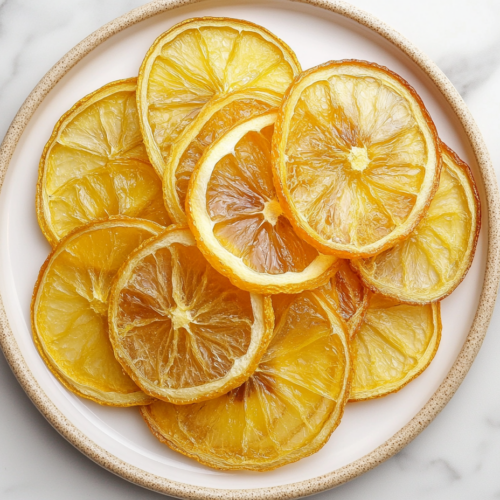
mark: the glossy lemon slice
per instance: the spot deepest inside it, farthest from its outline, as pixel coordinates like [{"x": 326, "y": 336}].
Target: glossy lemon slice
[
  {"x": 95, "y": 165},
  {"x": 435, "y": 258},
  {"x": 356, "y": 158},
  {"x": 182, "y": 331},
  {"x": 237, "y": 220},
  {"x": 214, "y": 120},
  {"x": 286, "y": 411},
  {"x": 69, "y": 310},
  {"x": 198, "y": 60},
  {"x": 395, "y": 344}
]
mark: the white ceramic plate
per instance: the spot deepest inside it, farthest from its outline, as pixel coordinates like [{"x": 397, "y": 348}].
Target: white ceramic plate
[{"x": 316, "y": 36}]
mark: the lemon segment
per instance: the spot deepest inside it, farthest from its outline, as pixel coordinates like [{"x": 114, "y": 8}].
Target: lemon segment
[
  {"x": 214, "y": 120},
  {"x": 435, "y": 258},
  {"x": 395, "y": 344},
  {"x": 349, "y": 296},
  {"x": 356, "y": 158},
  {"x": 95, "y": 165},
  {"x": 70, "y": 310},
  {"x": 237, "y": 220},
  {"x": 198, "y": 60},
  {"x": 182, "y": 331},
  {"x": 289, "y": 407}
]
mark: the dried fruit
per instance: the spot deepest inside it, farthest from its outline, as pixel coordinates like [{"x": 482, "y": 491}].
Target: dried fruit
[
  {"x": 237, "y": 220},
  {"x": 95, "y": 165},
  {"x": 198, "y": 60},
  {"x": 214, "y": 120},
  {"x": 356, "y": 158},
  {"x": 349, "y": 296},
  {"x": 435, "y": 258},
  {"x": 182, "y": 331},
  {"x": 395, "y": 344},
  {"x": 286, "y": 411},
  {"x": 69, "y": 310}
]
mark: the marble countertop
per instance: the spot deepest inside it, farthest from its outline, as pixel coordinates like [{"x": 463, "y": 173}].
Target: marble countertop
[{"x": 458, "y": 455}]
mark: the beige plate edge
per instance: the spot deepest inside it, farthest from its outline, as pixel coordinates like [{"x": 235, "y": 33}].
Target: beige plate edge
[{"x": 419, "y": 422}]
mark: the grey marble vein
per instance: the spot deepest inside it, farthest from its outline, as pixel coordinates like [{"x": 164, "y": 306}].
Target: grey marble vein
[
  {"x": 493, "y": 422},
  {"x": 445, "y": 469},
  {"x": 469, "y": 72}
]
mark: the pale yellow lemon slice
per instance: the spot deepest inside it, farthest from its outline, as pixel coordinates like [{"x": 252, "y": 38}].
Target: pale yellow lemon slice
[
  {"x": 198, "y": 60},
  {"x": 70, "y": 309},
  {"x": 395, "y": 344},
  {"x": 95, "y": 165},
  {"x": 435, "y": 258},
  {"x": 356, "y": 158}
]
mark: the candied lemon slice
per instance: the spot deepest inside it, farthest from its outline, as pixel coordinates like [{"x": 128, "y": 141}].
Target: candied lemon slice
[
  {"x": 214, "y": 120},
  {"x": 435, "y": 258},
  {"x": 356, "y": 158},
  {"x": 289, "y": 407},
  {"x": 235, "y": 216},
  {"x": 69, "y": 310},
  {"x": 95, "y": 165},
  {"x": 200, "y": 59},
  {"x": 182, "y": 331},
  {"x": 349, "y": 296},
  {"x": 395, "y": 344}
]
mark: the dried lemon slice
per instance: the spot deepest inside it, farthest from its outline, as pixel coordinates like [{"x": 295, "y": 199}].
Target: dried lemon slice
[
  {"x": 356, "y": 158},
  {"x": 237, "y": 220},
  {"x": 69, "y": 310},
  {"x": 198, "y": 60},
  {"x": 286, "y": 411},
  {"x": 349, "y": 296},
  {"x": 395, "y": 344},
  {"x": 435, "y": 258},
  {"x": 182, "y": 331},
  {"x": 214, "y": 120},
  {"x": 95, "y": 165}
]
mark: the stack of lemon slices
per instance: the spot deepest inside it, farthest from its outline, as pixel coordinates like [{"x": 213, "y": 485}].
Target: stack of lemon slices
[{"x": 240, "y": 248}]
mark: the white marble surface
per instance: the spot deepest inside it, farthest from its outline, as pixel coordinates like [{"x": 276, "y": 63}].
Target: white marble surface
[{"x": 458, "y": 456}]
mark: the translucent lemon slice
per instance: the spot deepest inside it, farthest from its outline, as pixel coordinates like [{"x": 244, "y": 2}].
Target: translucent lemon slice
[
  {"x": 70, "y": 309},
  {"x": 395, "y": 344},
  {"x": 435, "y": 258},
  {"x": 95, "y": 165},
  {"x": 237, "y": 220},
  {"x": 349, "y": 296},
  {"x": 198, "y": 60},
  {"x": 356, "y": 158},
  {"x": 182, "y": 331},
  {"x": 214, "y": 120},
  {"x": 286, "y": 411}
]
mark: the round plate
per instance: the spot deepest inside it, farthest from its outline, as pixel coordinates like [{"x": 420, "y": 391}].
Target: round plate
[{"x": 117, "y": 438}]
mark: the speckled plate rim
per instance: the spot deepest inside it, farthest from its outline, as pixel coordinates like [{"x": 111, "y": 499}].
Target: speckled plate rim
[{"x": 406, "y": 434}]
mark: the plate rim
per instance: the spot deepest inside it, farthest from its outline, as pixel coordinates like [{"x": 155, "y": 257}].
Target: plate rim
[{"x": 402, "y": 437}]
